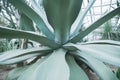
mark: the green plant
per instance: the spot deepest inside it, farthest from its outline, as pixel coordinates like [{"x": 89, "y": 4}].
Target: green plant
[
  {"x": 56, "y": 60},
  {"x": 110, "y": 29},
  {"x": 107, "y": 30},
  {"x": 118, "y": 73},
  {"x": 4, "y": 45},
  {"x": 110, "y": 32}
]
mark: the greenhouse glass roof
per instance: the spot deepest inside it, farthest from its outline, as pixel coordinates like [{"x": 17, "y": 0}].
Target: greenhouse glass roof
[{"x": 99, "y": 8}]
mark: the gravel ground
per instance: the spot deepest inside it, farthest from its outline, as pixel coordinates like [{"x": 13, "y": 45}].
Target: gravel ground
[{"x": 3, "y": 74}]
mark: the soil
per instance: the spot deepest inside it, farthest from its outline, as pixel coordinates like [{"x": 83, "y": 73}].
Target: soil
[{"x": 3, "y": 74}]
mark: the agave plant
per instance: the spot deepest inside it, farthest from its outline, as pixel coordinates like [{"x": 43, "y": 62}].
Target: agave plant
[{"x": 56, "y": 60}]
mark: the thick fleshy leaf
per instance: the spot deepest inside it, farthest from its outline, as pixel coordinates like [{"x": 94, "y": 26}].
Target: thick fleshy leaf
[
  {"x": 109, "y": 42},
  {"x": 15, "y": 73},
  {"x": 26, "y": 23},
  {"x": 61, "y": 14},
  {"x": 12, "y": 33},
  {"x": 19, "y": 59},
  {"x": 95, "y": 25},
  {"x": 76, "y": 73},
  {"x": 98, "y": 67},
  {"x": 52, "y": 68},
  {"x": 36, "y": 5},
  {"x": 70, "y": 47},
  {"x": 22, "y": 52},
  {"x": 24, "y": 8},
  {"x": 34, "y": 66},
  {"x": 104, "y": 52},
  {"x": 79, "y": 21}
]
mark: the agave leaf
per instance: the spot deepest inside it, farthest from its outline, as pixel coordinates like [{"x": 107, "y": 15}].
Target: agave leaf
[
  {"x": 26, "y": 23},
  {"x": 109, "y": 42},
  {"x": 31, "y": 68},
  {"x": 15, "y": 73},
  {"x": 19, "y": 59},
  {"x": 21, "y": 52},
  {"x": 98, "y": 67},
  {"x": 79, "y": 21},
  {"x": 70, "y": 46},
  {"x": 61, "y": 14},
  {"x": 76, "y": 73},
  {"x": 12, "y": 33},
  {"x": 95, "y": 25},
  {"x": 24, "y": 8},
  {"x": 36, "y": 5},
  {"x": 53, "y": 68},
  {"x": 104, "y": 52}
]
